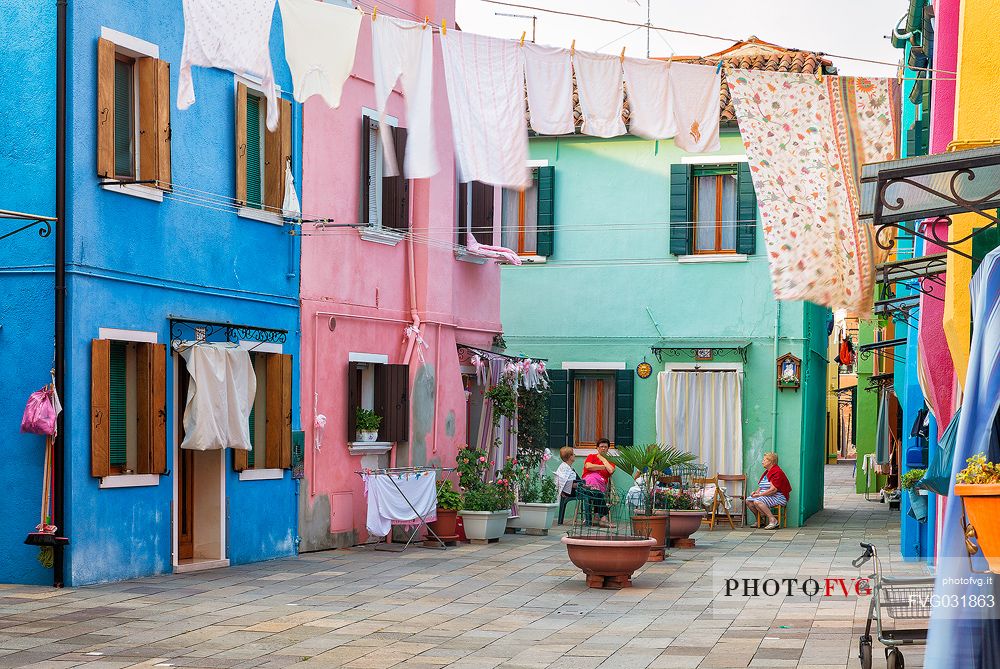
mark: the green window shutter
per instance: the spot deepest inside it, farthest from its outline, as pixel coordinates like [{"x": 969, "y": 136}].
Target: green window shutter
[
  {"x": 546, "y": 211},
  {"x": 253, "y": 435},
  {"x": 983, "y": 243},
  {"x": 558, "y": 420},
  {"x": 118, "y": 411},
  {"x": 123, "y": 119},
  {"x": 624, "y": 402},
  {"x": 254, "y": 194},
  {"x": 746, "y": 211},
  {"x": 680, "y": 210}
]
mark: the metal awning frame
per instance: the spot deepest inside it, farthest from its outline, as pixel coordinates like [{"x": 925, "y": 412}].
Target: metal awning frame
[
  {"x": 680, "y": 351},
  {"x": 45, "y": 222},
  {"x": 915, "y": 273},
  {"x": 865, "y": 351}
]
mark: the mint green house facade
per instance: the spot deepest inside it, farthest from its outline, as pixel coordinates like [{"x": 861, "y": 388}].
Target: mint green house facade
[{"x": 628, "y": 278}]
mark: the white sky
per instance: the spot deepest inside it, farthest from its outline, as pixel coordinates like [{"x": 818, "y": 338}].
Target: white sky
[{"x": 848, "y": 27}]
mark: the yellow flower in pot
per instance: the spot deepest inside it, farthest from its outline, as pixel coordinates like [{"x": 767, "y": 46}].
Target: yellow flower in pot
[{"x": 979, "y": 487}]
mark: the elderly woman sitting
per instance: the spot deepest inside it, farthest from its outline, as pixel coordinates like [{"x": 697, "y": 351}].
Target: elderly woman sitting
[{"x": 773, "y": 490}]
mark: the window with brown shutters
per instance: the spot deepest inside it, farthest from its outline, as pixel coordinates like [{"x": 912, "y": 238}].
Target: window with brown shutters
[
  {"x": 270, "y": 416},
  {"x": 261, "y": 156},
  {"x": 133, "y": 116},
  {"x": 384, "y": 389},
  {"x": 128, "y": 408},
  {"x": 384, "y": 201},
  {"x": 475, "y": 213}
]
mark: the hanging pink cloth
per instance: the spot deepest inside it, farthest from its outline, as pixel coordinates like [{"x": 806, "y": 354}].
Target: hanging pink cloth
[{"x": 496, "y": 252}]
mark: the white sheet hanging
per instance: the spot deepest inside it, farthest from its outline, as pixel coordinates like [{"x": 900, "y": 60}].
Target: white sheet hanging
[
  {"x": 548, "y": 72},
  {"x": 485, "y": 78},
  {"x": 600, "y": 84},
  {"x": 231, "y": 35},
  {"x": 403, "y": 51},
  {"x": 320, "y": 43},
  {"x": 290, "y": 203},
  {"x": 220, "y": 395},
  {"x": 695, "y": 90},
  {"x": 390, "y": 500},
  {"x": 650, "y": 100}
]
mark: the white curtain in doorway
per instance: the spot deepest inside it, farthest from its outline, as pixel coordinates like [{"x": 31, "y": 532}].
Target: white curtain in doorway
[{"x": 701, "y": 413}]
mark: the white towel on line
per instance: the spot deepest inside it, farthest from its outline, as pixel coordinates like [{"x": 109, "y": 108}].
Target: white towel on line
[
  {"x": 231, "y": 35},
  {"x": 320, "y": 43},
  {"x": 402, "y": 50},
  {"x": 549, "y": 75},
  {"x": 599, "y": 82},
  {"x": 650, "y": 102},
  {"x": 485, "y": 78},
  {"x": 221, "y": 392},
  {"x": 290, "y": 203},
  {"x": 695, "y": 90},
  {"x": 390, "y": 500}
]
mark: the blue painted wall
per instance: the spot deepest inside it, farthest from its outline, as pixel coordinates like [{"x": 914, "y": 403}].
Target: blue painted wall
[
  {"x": 132, "y": 264},
  {"x": 27, "y": 184}
]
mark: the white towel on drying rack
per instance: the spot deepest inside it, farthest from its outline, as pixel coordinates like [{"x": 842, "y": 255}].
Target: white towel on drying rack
[{"x": 399, "y": 498}]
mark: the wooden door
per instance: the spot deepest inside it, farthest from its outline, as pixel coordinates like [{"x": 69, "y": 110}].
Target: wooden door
[{"x": 185, "y": 476}]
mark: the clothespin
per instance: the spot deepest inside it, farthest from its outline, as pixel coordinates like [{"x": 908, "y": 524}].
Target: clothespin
[
  {"x": 718, "y": 68},
  {"x": 622, "y": 57},
  {"x": 444, "y": 26},
  {"x": 572, "y": 48},
  {"x": 374, "y": 12},
  {"x": 523, "y": 35},
  {"x": 819, "y": 74},
  {"x": 427, "y": 21}
]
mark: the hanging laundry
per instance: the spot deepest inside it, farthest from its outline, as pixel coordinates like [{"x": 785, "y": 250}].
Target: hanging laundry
[
  {"x": 220, "y": 396},
  {"x": 650, "y": 100},
  {"x": 320, "y": 43},
  {"x": 499, "y": 253},
  {"x": 695, "y": 90},
  {"x": 231, "y": 35},
  {"x": 402, "y": 51},
  {"x": 485, "y": 78},
  {"x": 403, "y": 498},
  {"x": 600, "y": 85},
  {"x": 290, "y": 203},
  {"x": 806, "y": 141},
  {"x": 549, "y": 75}
]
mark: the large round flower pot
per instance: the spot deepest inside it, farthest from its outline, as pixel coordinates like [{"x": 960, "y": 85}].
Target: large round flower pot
[
  {"x": 483, "y": 526},
  {"x": 446, "y": 525},
  {"x": 535, "y": 517},
  {"x": 684, "y": 523},
  {"x": 654, "y": 527},
  {"x": 608, "y": 562},
  {"x": 982, "y": 508}
]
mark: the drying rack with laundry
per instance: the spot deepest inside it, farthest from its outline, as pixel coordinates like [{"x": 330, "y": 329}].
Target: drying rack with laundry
[{"x": 405, "y": 496}]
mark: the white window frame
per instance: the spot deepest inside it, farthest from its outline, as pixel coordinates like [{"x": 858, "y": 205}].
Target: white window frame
[
  {"x": 367, "y": 400},
  {"x": 376, "y": 233}
]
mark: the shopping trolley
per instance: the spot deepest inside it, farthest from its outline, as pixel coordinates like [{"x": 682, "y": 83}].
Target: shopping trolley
[{"x": 900, "y": 598}]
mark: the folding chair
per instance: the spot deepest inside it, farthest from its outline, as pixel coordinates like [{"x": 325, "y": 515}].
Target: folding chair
[
  {"x": 741, "y": 479},
  {"x": 704, "y": 483}
]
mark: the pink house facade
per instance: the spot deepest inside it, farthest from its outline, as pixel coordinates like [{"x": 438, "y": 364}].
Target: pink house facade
[{"x": 363, "y": 286}]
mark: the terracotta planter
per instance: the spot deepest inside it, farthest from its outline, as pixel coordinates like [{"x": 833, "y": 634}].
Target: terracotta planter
[
  {"x": 685, "y": 523},
  {"x": 982, "y": 508},
  {"x": 484, "y": 525},
  {"x": 446, "y": 525},
  {"x": 534, "y": 516},
  {"x": 608, "y": 562},
  {"x": 654, "y": 527}
]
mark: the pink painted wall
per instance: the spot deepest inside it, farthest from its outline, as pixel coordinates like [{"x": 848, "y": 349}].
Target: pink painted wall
[
  {"x": 935, "y": 356},
  {"x": 365, "y": 286},
  {"x": 946, "y": 14}
]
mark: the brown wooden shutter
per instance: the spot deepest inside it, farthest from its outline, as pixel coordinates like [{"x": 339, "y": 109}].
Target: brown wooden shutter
[
  {"x": 285, "y": 445},
  {"x": 278, "y": 439},
  {"x": 277, "y": 150},
  {"x": 163, "y": 175},
  {"x": 482, "y": 213},
  {"x": 151, "y": 408},
  {"x": 396, "y": 190},
  {"x": 366, "y": 126},
  {"x": 392, "y": 402},
  {"x": 105, "y": 109},
  {"x": 463, "y": 217},
  {"x": 241, "y": 459},
  {"x": 241, "y": 144},
  {"x": 149, "y": 162},
  {"x": 100, "y": 407},
  {"x": 353, "y": 399}
]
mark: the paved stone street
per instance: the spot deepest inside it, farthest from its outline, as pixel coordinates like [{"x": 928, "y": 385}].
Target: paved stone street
[{"x": 519, "y": 603}]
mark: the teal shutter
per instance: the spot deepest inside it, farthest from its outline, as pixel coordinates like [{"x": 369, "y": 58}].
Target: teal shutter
[
  {"x": 118, "y": 410},
  {"x": 253, "y": 435},
  {"x": 546, "y": 211},
  {"x": 680, "y": 210},
  {"x": 123, "y": 119},
  {"x": 558, "y": 420},
  {"x": 984, "y": 242},
  {"x": 746, "y": 210},
  {"x": 254, "y": 195},
  {"x": 624, "y": 403}
]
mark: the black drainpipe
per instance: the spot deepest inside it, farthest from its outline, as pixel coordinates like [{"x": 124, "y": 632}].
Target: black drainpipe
[{"x": 58, "y": 459}]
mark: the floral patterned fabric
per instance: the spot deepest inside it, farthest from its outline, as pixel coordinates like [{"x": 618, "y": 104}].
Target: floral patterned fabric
[{"x": 806, "y": 139}]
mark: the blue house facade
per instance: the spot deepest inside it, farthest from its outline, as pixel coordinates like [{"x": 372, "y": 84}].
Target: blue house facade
[{"x": 175, "y": 235}]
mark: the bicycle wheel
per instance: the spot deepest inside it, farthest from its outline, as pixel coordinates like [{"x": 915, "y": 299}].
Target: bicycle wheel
[{"x": 865, "y": 653}]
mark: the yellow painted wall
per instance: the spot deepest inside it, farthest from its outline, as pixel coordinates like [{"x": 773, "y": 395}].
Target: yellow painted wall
[{"x": 976, "y": 123}]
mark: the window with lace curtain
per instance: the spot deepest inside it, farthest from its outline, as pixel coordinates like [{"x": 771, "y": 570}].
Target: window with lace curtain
[{"x": 594, "y": 409}]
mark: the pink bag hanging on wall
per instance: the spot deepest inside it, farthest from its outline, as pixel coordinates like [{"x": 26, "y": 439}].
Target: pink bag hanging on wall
[{"x": 39, "y": 414}]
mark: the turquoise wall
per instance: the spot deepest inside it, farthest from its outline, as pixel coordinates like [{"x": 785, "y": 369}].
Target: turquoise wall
[{"x": 611, "y": 263}]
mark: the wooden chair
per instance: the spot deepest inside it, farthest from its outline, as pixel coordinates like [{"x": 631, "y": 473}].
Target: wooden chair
[
  {"x": 741, "y": 479},
  {"x": 779, "y": 511},
  {"x": 670, "y": 480},
  {"x": 704, "y": 483}
]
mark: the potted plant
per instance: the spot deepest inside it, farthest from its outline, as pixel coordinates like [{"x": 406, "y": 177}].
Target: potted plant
[
  {"x": 367, "y": 423},
  {"x": 979, "y": 487},
  {"x": 538, "y": 501},
  {"x": 449, "y": 502},
  {"x": 918, "y": 500},
  {"x": 485, "y": 503},
  {"x": 684, "y": 511},
  {"x": 649, "y": 462}
]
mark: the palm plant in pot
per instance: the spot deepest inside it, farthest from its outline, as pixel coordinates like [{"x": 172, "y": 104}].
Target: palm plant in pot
[
  {"x": 979, "y": 487},
  {"x": 449, "y": 502},
  {"x": 367, "y": 423},
  {"x": 647, "y": 464}
]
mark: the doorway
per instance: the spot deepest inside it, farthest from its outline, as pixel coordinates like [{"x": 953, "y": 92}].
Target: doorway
[{"x": 199, "y": 494}]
